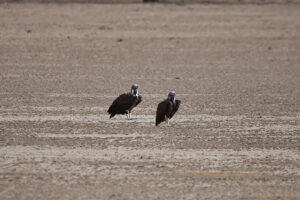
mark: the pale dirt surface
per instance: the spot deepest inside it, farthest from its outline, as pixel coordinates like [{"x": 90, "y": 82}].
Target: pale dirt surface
[{"x": 235, "y": 68}]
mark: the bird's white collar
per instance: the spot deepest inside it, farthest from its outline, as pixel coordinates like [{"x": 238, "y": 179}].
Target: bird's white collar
[{"x": 137, "y": 92}]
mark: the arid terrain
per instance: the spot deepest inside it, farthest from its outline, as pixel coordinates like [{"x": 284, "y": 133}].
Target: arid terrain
[{"x": 235, "y": 68}]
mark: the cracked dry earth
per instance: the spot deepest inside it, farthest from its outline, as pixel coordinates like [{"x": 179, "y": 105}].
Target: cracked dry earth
[{"x": 235, "y": 68}]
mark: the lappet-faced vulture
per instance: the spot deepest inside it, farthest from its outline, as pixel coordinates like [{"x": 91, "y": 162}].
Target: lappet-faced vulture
[
  {"x": 167, "y": 108},
  {"x": 125, "y": 103}
]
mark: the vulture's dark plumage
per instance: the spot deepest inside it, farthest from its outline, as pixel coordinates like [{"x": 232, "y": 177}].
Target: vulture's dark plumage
[
  {"x": 125, "y": 103},
  {"x": 167, "y": 108}
]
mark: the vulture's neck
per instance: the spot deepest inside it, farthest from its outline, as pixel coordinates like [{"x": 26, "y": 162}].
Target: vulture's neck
[
  {"x": 137, "y": 93},
  {"x": 172, "y": 100}
]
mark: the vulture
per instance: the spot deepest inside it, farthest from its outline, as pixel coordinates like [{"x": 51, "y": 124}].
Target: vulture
[
  {"x": 167, "y": 108},
  {"x": 125, "y": 103}
]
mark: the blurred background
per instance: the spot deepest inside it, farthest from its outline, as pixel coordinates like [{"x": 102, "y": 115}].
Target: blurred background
[{"x": 233, "y": 64}]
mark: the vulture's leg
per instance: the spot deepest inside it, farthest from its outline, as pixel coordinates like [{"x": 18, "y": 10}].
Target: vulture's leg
[
  {"x": 129, "y": 116},
  {"x": 168, "y": 122}
]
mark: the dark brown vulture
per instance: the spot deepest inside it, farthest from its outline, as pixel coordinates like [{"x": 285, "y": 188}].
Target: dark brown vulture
[
  {"x": 167, "y": 108},
  {"x": 125, "y": 103}
]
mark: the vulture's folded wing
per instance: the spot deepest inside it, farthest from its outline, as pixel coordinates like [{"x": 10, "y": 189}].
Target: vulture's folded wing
[
  {"x": 121, "y": 104},
  {"x": 161, "y": 112},
  {"x": 175, "y": 108}
]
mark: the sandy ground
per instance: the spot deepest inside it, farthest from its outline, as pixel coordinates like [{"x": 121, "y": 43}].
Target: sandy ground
[{"x": 235, "y": 68}]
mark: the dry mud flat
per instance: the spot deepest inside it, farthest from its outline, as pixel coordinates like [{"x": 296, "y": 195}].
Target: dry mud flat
[{"x": 235, "y": 68}]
